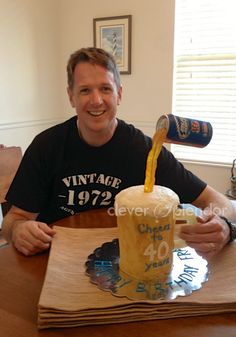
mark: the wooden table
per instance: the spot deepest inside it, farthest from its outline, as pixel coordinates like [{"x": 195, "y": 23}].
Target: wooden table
[{"x": 21, "y": 280}]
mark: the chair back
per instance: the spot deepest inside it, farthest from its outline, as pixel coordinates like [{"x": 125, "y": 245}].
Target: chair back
[{"x": 10, "y": 158}]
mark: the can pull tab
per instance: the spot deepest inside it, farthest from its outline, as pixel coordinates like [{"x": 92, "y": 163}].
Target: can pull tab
[{"x": 232, "y": 169}]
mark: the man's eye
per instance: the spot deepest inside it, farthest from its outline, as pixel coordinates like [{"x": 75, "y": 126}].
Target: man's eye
[
  {"x": 106, "y": 89},
  {"x": 84, "y": 91}
]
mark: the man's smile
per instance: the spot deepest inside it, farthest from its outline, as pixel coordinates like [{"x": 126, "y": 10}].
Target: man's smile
[{"x": 96, "y": 113}]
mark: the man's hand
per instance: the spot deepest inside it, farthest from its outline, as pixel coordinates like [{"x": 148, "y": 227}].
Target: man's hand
[
  {"x": 208, "y": 236},
  {"x": 31, "y": 237},
  {"x": 28, "y": 235}
]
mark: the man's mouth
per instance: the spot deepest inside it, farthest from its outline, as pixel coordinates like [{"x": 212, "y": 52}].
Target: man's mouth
[{"x": 96, "y": 113}]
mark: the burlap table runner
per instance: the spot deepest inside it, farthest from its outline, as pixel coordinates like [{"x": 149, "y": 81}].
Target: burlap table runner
[{"x": 68, "y": 298}]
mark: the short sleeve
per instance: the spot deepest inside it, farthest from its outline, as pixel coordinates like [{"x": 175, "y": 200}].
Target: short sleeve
[{"x": 171, "y": 173}]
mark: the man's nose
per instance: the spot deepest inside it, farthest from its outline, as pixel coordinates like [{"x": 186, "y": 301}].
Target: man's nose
[{"x": 96, "y": 97}]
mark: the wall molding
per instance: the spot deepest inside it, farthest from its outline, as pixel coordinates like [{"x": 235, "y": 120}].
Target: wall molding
[
  {"x": 138, "y": 123},
  {"x": 148, "y": 127},
  {"x": 31, "y": 123},
  {"x": 40, "y": 122}
]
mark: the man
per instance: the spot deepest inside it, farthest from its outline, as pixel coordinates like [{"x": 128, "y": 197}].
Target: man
[{"x": 84, "y": 162}]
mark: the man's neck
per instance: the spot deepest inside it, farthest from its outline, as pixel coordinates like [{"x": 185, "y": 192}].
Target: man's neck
[{"x": 95, "y": 138}]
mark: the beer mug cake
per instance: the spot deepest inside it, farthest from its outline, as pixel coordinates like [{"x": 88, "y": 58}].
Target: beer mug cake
[{"x": 146, "y": 223}]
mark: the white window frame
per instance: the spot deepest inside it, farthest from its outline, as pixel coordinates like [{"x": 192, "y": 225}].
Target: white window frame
[{"x": 204, "y": 85}]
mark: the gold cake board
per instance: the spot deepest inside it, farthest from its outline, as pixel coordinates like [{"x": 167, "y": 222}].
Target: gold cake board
[{"x": 69, "y": 299}]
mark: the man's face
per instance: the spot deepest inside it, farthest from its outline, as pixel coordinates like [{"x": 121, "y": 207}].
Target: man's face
[{"x": 95, "y": 98}]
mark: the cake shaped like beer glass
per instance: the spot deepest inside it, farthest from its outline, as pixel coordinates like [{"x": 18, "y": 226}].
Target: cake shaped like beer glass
[{"x": 146, "y": 231}]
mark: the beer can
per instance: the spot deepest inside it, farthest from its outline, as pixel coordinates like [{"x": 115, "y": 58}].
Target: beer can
[{"x": 185, "y": 131}]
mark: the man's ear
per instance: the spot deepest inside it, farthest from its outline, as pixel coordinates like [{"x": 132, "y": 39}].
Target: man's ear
[
  {"x": 70, "y": 95},
  {"x": 119, "y": 95}
]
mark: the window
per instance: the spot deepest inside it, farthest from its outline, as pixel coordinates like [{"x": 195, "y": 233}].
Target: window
[{"x": 205, "y": 75}]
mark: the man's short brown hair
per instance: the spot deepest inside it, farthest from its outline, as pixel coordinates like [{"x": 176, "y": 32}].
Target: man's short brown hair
[{"x": 92, "y": 55}]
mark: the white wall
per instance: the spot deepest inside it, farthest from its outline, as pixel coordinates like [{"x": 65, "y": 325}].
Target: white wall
[
  {"x": 30, "y": 97},
  {"x": 216, "y": 176}
]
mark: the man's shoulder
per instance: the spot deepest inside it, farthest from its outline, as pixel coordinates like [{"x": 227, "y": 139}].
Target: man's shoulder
[
  {"x": 55, "y": 133},
  {"x": 58, "y": 128},
  {"x": 53, "y": 138},
  {"x": 132, "y": 131}
]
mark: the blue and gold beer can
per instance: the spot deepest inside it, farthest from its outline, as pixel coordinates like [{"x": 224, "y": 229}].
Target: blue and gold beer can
[{"x": 185, "y": 131}]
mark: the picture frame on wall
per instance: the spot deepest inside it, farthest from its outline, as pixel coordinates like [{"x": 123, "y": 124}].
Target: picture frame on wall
[{"x": 114, "y": 35}]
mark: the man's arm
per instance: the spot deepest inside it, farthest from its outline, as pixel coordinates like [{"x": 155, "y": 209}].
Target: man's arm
[
  {"x": 211, "y": 233},
  {"x": 27, "y": 235},
  {"x": 216, "y": 202}
]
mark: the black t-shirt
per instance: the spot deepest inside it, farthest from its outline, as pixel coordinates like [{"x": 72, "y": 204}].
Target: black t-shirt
[{"x": 61, "y": 175}]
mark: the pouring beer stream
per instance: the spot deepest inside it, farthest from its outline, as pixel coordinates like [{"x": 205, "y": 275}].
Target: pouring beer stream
[
  {"x": 175, "y": 130},
  {"x": 158, "y": 139}
]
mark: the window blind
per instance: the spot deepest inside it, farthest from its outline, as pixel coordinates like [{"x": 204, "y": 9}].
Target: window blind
[{"x": 205, "y": 75}]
